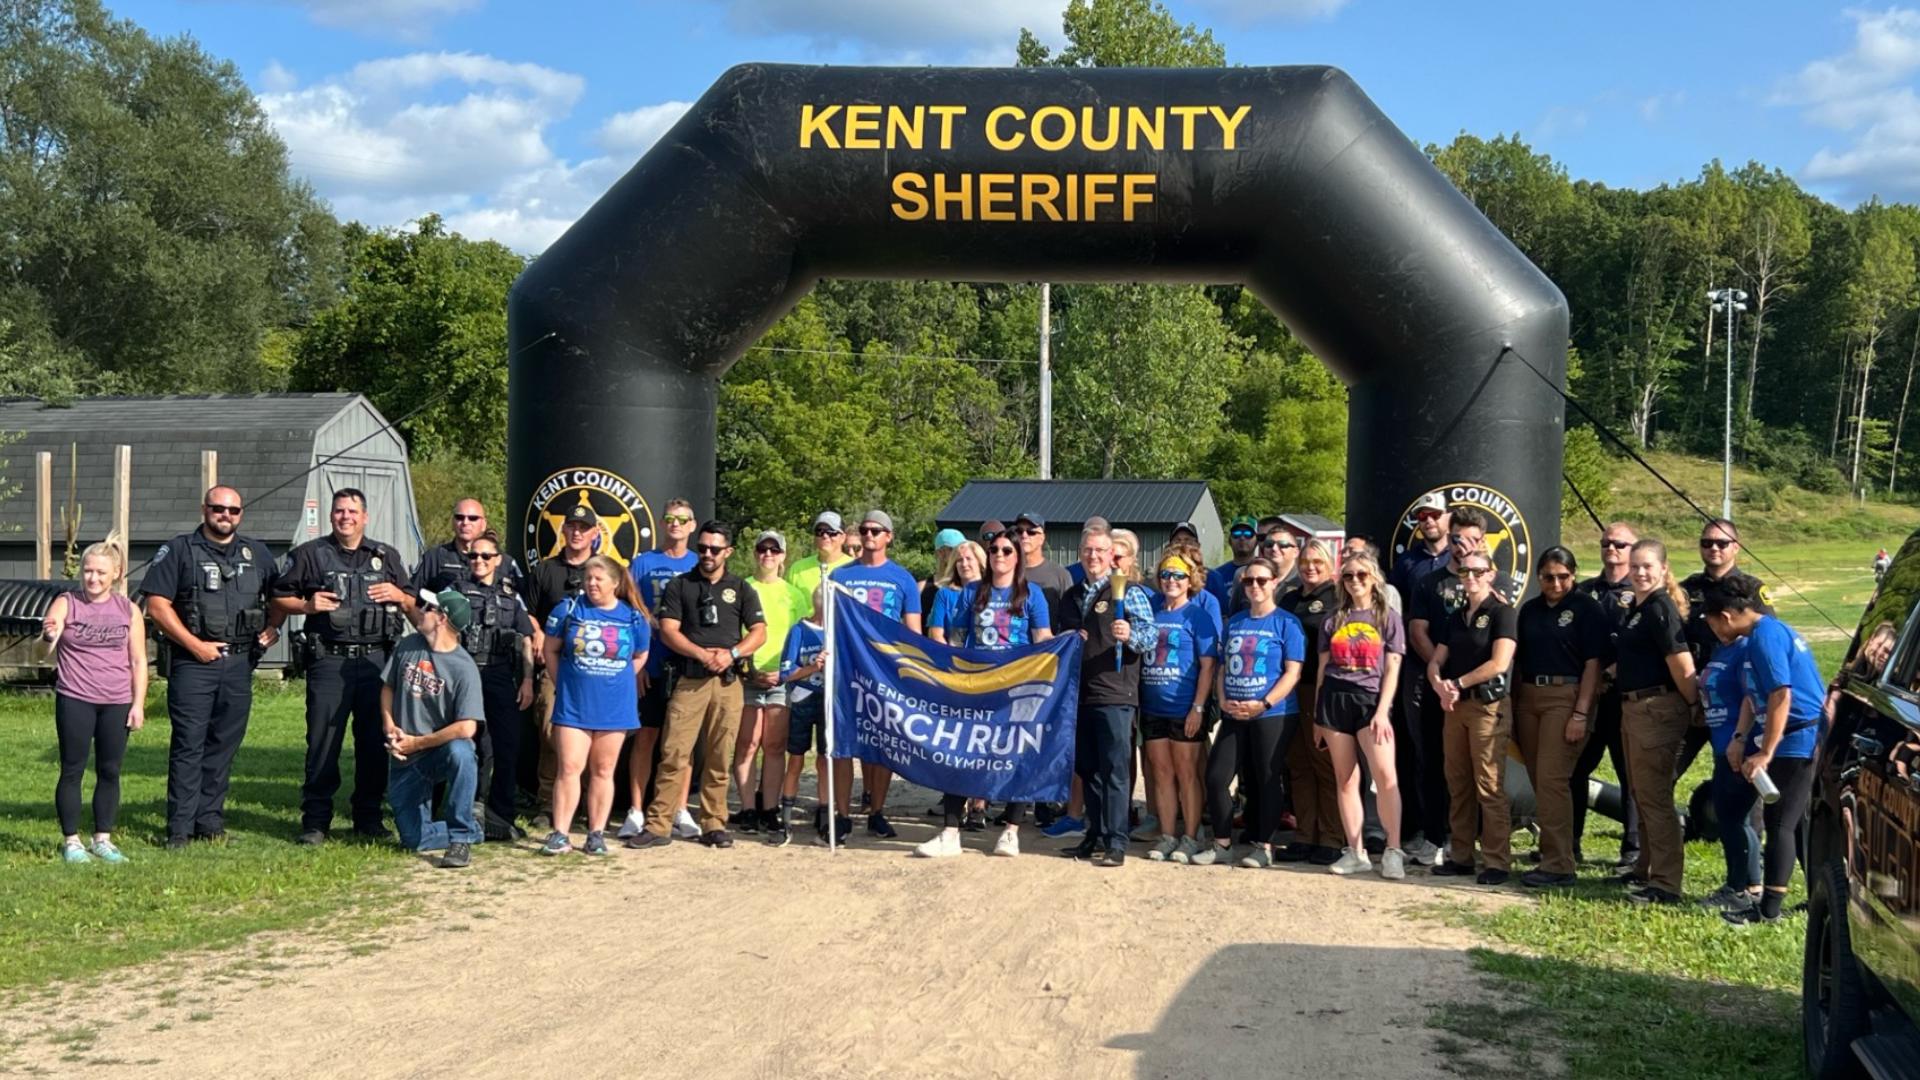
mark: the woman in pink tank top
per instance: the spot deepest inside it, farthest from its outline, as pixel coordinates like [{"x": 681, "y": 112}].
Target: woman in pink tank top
[{"x": 99, "y": 644}]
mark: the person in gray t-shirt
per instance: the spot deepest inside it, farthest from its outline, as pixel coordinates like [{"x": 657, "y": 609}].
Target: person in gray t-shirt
[{"x": 431, "y": 708}]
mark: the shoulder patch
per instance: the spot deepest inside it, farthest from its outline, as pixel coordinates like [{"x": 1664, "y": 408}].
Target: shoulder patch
[{"x": 161, "y": 555}]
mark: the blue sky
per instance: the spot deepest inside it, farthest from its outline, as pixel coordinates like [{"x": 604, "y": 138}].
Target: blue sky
[{"x": 509, "y": 117}]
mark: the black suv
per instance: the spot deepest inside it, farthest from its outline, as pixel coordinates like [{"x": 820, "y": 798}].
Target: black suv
[{"x": 1860, "y": 980}]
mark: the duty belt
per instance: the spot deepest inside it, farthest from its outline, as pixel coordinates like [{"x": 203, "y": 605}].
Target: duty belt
[
  {"x": 1553, "y": 680},
  {"x": 1646, "y": 692},
  {"x": 350, "y": 648}
]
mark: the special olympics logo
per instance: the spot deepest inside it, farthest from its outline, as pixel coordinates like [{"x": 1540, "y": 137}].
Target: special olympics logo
[
  {"x": 1508, "y": 541},
  {"x": 626, "y": 521},
  {"x": 972, "y": 677}
]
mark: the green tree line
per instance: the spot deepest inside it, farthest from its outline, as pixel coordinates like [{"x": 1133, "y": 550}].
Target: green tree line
[{"x": 152, "y": 240}]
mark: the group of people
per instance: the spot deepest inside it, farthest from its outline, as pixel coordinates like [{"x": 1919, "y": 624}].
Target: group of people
[{"x": 1269, "y": 695}]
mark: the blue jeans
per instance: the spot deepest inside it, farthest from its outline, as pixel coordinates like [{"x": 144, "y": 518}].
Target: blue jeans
[
  {"x": 1103, "y": 757},
  {"x": 410, "y": 790},
  {"x": 1733, "y": 803}
]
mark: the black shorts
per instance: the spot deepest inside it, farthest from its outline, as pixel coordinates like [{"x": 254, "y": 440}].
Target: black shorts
[
  {"x": 807, "y": 724},
  {"x": 1170, "y": 727},
  {"x": 653, "y": 703},
  {"x": 1345, "y": 708}
]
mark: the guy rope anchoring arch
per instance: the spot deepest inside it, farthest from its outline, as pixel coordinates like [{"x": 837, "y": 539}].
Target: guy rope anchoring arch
[{"x": 1288, "y": 180}]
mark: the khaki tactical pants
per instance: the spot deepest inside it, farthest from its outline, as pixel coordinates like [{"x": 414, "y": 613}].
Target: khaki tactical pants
[
  {"x": 1316, "y": 813},
  {"x": 1653, "y": 730},
  {"x": 705, "y": 713},
  {"x": 1474, "y": 735},
  {"x": 1540, "y": 727}
]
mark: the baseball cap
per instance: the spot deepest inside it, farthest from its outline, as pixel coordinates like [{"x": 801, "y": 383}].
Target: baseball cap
[
  {"x": 878, "y": 517},
  {"x": 830, "y": 519},
  {"x": 1032, "y": 519},
  {"x": 948, "y": 538},
  {"x": 1432, "y": 500},
  {"x": 1188, "y": 526},
  {"x": 1244, "y": 521},
  {"x": 991, "y": 528},
  {"x": 452, "y": 603},
  {"x": 770, "y": 534},
  {"x": 582, "y": 514}
]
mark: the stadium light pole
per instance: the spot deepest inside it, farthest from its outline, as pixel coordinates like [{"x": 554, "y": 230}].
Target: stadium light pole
[
  {"x": 1731, "y": 302},
  {"x": 1046, "y": 381}
]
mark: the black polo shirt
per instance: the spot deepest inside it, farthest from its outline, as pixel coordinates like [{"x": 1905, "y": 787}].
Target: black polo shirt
[
  {"x": 1559, "y": 639},
  {"x": 736, "y": 606},
  {"x": 1469, "y": 639},
  {"x": 552, "y": 581},
  {"x": 1654, "y": 631},
  {"x": 1442, "y": 593},
  {"x": 1700, "y": 638},
  {"x": 1311, "y": 607},
  {"x": 444, "y": 566}
]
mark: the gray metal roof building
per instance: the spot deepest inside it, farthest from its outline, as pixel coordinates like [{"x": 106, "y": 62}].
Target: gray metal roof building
[
  {"x": 1150, "y": 508},
  {"x": 285, "y": 453}
]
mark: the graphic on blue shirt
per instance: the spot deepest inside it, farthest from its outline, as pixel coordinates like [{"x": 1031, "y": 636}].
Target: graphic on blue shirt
[
  {"x": 1723, "y": 684},
  {"x": 887, "y": 588},
  {"x": 1778, "y": 656},
  {"x": 1256, "y": 653},
  {"x": 805, "y": 642},
  {"x": 651, "y": 572},
  {"x": 594, "y": 687},
  {"x": 995, "y": 627},
  {"x": 1170, "y": 677}
]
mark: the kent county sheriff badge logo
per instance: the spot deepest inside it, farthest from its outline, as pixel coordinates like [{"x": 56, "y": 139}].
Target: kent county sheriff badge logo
[
  {"x": 1566, "y": 617},
  {"x": 1509, "y": 543},
  {"x": 626, "y": 521}
]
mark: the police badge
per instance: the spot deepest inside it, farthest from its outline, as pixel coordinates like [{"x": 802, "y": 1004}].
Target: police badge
[
  {"x": 1100, "y": 608},
  {"x": 1566, "y": 617},
  {"x": 376, "y": 562},
  {"x": 728, "y": 596},
  {"x": 246, "y": 553},
  {"x": 1480, "y": 623},
  {"x": 1316, "y": 607}
]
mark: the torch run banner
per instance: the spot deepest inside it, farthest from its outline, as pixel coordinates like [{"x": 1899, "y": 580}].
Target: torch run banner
[{"x": 993, "y": 725}]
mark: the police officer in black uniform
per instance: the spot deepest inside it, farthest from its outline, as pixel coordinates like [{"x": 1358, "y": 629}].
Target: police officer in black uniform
[
  {"x": 352, "y": 591},
  {"x": 445, "y": 565},
  {"x": 1615, "y": 594},
  {"x": 1719, "y": 556},
  {"x": 207, "y": 592},
  {"x": 500, "y": 640}
]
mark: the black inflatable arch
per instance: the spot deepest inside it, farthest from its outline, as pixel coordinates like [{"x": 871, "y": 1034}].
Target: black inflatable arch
[{"x": 1289, "y": 180}]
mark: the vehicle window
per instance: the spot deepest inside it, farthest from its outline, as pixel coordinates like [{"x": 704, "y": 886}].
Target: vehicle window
[{"x": 1886, "y": 643}]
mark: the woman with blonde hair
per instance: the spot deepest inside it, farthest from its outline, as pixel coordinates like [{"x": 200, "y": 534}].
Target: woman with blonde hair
[
  {"x": 1362, "y": 647},
  {"x": 1311, "y": 783},
  {"x": 1126, "y": 554},
  {"x": 99, "y": 645},
  {"x": 1658, "y": 693},
  {"x": 1175, "y": 683},
  {"x": 596, "y": 646}
]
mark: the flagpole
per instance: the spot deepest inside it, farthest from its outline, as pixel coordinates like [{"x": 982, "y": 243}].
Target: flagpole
[{"x": 826, "y": 672}]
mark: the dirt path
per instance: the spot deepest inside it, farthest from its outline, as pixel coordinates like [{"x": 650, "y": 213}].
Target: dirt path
[{"x": 769, "y": 963}]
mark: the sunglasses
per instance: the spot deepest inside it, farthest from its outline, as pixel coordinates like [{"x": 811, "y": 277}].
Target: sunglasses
[
  {"x": 1022, "y": 531},
  {"x": 1241, "y": 534},
  {"x": 1251, "y": 582},
  {"x": 1717, "y": 544},
  {"x": 1461, "y": 540},
  {"x": 1276, "y": 545},
  {"x": 1360, "y": 575},
  {"x": 872, "y": 530},
  {"x": 1427, "y": 515},
  {"x": 824, "y": 531},
  {"x": 1475, "y": 571},
  {"x": 678, "y": 519},
  {"x": 710, "y": 549},
  {"x": 768, "y": 549},
  {"x": 1173, "y": 575},
  {"x": 1617, "y": 545},
  {"x": 998, "y": 551},
  {"x": 469, "y": 517},
  {"x": 230, "y": 511},
  {"x": 1556, "y": 577},
  {"x": 482, "y": 556}
]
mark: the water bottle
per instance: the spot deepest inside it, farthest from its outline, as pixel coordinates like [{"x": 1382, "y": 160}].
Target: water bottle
[{"x": 1769, "y": 791}]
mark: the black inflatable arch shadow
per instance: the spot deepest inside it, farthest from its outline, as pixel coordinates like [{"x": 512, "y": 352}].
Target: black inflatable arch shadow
[{"x": 620, "y": 331}]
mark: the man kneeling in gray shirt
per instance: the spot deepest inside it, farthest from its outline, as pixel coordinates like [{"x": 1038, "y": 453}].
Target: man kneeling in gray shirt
[{"x": 432, "y": 709}]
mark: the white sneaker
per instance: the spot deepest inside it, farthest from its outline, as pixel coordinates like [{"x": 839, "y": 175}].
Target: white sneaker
[
  {"x": 636, "y": 822},
  {"x": 1352, "y": 862},
  {"x": 1184, "y": 852},
  {"x": 684, "y": 827},
  {"x": 1149, "y": 828},
  {"x": 1163, "y": 849},
  {"x": 1425, "y": 852},
  {"x": 1393, "y": 864},
  {"x": 1008, "y": 845},
  {"x": 944, "y": 845},
  {"x": 1214, "y": 855}
]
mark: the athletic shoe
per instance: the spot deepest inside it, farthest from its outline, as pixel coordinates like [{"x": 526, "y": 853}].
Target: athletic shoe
[
  {"x": 1164, "y": 848},
  {"x": 1393, "y": 864},
  {"x": 1257, "y": 858},
  {"x": 1424, "y": 852},
  {"x": 1111, "y": 858},
  {"x": 541, "y": 821},
  {"x": 820, "y": 825},
  {"x": 974, "y": 821},
  {"x": 312, "y": 838},
  {"x": 1148, "y": 829},
  {"x": 73, "y": 852},
  {"x": 1294, "y": 852},
  {"x": 1352, "y": 862},
  {"x": 944, "y": 845},
  {"x": 1449, "y": 868},
  {"x": 596, "y": 843},
  {"x": 1064, "y": 826},
  {"x": 1008, "y": 846},
  {"x": 1491, "y": 876},
  {"x": 777, "y": 835},
  {"x": 878, "y": 825},
  {"x": 738, "y": 820},
  {"x": 647, "y": 841},
  {"x": 1214, "y": 855},
  {"x": 635, "y": 824},
  {"x": 1653, "y": 894},
  {"x": 716, "y": 838},
  {"x": 373, "y": 832},
  {"x": 558, "y": 844},
  {"x": 1085, "y": 849},
  {"x": 1727, "y": 898},
  {"x": 1750, "y": 916},
  {"x": 1541, "y": 879},
  {"x": 1184, "y": 851},
  {"x": 1630, "y": 879},
  {"x": 106, "y": 852},
  {"x": 842, "y": 828},
  {"x": 1321, "y": 855},
  {"x": 684, "y": 827},
  {"x": 498, "y": 829},
  {"x": 460, "y": 855},
  {"x": 1374, "y": 843}
]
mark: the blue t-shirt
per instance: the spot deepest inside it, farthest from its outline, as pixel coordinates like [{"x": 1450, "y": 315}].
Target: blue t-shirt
[
  {"x": 1171, "y": 676},
  {"x": 1256, "y": 653},
  {"x": 651, "y": 572},
  {"x": 805, "y": 642},
  {"x": 887, "y": 588},
  {"x": 1723, "y": 685},
  {"x": 1778, "y": 656},
  {"x": 1220, "y": 585},
  {"x": 945, "y": 614},
  {"x": 996, "y": 627},
  {"x": 594, "y": 688}
]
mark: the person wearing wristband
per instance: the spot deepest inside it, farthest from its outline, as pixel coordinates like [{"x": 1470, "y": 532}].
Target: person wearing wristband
[
  {"x": 1469, "y": 675},
  {"x": 1658, "y": 694},
  {"x": 1174, "y": 685},
  {"x": 1563, "y": 638},
  {"x": 1263, "y": 651}
]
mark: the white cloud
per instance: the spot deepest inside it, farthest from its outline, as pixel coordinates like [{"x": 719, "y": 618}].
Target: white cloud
[
  {"x": 457, "y": 134},
  {"x": 405, "y": 19},
  {"x": 1560, "y": 120},
  {"x": 1868, "y": 93},
  {"x": 1655, "y": 108},
  {"x": 925, "y": 28}
]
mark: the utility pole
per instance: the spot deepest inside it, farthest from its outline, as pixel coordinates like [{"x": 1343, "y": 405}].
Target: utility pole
[
  {"x": 1733, "y": 302},
  {"x": 1046, "y": 381}
]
